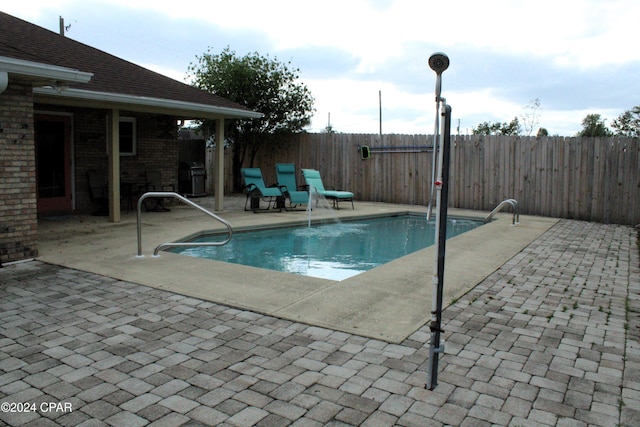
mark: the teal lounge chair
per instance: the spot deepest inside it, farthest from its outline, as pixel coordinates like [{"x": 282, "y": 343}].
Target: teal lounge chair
[
  {"x": 314, "y": 181},
  {"x": 256, "y": 190},
  {"x": 286, "y": 178}
]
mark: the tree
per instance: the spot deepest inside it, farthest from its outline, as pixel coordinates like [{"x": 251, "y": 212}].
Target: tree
[
  {"x": 329, "y": 129},
  {"x": 261, "y": 84},
  {"x": 531, "y": 117},
  {"x": 628, "y": 123},
  {"x": 497, "y": 128},
  {"x": 594, "y": 125},
  {"x": 542, "y": 132}
]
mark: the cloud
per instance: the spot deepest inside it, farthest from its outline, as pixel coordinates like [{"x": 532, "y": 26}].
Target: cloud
[{"x": 577, "y": 56}]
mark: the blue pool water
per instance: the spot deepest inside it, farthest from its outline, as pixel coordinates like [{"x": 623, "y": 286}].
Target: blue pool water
[{"x": 334, "y": 251}]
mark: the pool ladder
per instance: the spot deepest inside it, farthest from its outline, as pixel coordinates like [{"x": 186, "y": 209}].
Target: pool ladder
[
  {"x": 166, "y": 194},
  {"x": 507, "y": 202}
]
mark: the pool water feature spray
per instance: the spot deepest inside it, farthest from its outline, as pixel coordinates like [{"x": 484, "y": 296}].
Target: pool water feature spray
[
  {"x": 310, "y": 206},
  {"x": 439, "y": 62},
  {"x": 320, "y": 201}
]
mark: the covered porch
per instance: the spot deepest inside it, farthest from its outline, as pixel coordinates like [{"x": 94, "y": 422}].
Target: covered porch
[
  {"x": 118, "y": 109},
  {"x": 63, "y": 107}
]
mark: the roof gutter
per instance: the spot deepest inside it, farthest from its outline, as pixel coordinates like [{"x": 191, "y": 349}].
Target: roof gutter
[
  {"x": 52, "y": 73},
  {"x": 148, "y": 104}
]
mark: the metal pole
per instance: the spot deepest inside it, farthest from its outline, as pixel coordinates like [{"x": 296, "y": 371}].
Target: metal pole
[
  {"x": 438, "y": 62},
  {"x": 436, "y": 129},
  {"x": 380, "y": 111},
  {"x": 442, "y": 186}
]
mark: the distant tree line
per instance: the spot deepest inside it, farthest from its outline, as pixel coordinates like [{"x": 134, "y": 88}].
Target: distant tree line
[{"x": 627, "y": 124}]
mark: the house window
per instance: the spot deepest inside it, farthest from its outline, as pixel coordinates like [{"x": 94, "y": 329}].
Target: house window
[{"x": 127, "y": 136}]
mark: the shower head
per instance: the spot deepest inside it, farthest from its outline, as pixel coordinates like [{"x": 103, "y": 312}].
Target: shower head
[{"x": 439, "y": 62}]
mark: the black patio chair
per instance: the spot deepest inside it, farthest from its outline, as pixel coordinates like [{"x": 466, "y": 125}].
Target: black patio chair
[{"x": 154, "y": 183}]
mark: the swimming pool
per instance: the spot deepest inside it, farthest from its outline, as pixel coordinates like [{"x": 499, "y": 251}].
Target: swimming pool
[{"x": 333, "y": 251}]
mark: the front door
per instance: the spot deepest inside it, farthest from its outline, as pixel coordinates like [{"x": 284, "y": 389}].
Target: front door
[{"x": 53, "y": 163}]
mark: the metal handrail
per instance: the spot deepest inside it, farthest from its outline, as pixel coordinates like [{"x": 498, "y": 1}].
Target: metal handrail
[
  {"x": 177, "y": 244},
  {"x": 514, "y": 205}
]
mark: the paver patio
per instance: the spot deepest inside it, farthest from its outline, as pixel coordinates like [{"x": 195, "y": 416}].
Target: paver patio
[{"x": 550, "y": 338}]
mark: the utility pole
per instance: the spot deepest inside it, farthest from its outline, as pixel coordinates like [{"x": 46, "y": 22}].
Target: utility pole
[
  {"x": 63, "y": 28},
  {"x": 380, "y": 111}
]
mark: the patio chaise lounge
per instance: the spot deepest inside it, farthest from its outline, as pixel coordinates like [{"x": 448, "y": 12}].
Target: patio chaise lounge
[
  {"x": 286, "y": 178},
  {"x": 314, "y": 181},
  {"x": 256, "y": 190}
]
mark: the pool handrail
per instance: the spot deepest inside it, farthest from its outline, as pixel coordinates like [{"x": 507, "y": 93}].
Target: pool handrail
[
  {"x": 176, "y": 244},
  {"x": 516, "y": 212}
]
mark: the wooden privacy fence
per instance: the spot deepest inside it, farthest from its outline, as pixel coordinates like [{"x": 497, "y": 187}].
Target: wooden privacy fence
[{"x": 593, "y": 179}]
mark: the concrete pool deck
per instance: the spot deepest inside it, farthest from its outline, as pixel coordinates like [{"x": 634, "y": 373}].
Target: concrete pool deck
[
  {"x": 389, "y": 302},
  {"x": 550, "y": 338}
]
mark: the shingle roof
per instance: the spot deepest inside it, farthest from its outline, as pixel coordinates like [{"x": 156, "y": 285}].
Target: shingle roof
[{"x": 25, "y": 41}]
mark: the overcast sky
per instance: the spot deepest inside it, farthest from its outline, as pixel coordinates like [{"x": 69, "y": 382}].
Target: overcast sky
[{"x": 576, "y": 57}]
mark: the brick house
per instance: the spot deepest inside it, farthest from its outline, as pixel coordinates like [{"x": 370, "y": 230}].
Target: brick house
[{"x": 67, "y": 109}]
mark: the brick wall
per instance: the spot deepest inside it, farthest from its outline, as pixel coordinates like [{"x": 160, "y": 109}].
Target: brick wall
[
  {"x": 90, "y": 152},
  {"x": 157, "y": 149},
  {"x": 18, "y": 214}
]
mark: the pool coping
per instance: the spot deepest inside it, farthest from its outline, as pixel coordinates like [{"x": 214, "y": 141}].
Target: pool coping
[{"x": 389, "y": 302}]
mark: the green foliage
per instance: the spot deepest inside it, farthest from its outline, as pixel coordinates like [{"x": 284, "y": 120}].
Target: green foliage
[
  {"x": 485, "y": 128},
  {"x": 329, "y": 129},
  {"x": 628, "y": 123},
  {"x": 594, "y": 125},
  {"x": 261, "y": 84},
  {"x": 542, "y": 132},
  {"x": 497, "y": 128}
]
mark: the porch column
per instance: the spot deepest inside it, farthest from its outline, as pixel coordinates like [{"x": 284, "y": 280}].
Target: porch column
[
  {"x": 114, "y": 166},
  {"x": 219, "y": 165}
]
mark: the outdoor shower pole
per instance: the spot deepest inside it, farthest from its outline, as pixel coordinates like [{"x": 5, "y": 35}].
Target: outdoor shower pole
[
  {"x": 438, "y": 62},
  {"x": 442, "y": 199}
]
